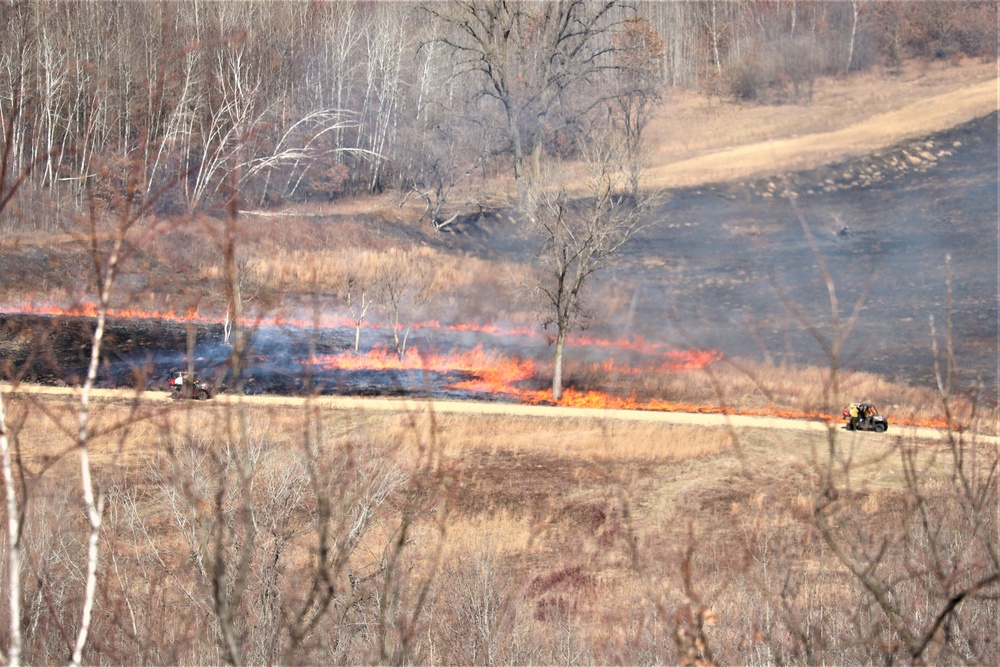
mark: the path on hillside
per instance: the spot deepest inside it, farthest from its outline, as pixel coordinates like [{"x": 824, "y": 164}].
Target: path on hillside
[
  {"x": 924, "y": 117},
  {"x": 414, "y": 406}
]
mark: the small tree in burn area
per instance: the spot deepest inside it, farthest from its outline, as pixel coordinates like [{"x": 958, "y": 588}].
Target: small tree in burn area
[
  {"x": 401, "y": 285},
  {"x": 356, "y": 292},
  {"x": 579, "y": 237}
]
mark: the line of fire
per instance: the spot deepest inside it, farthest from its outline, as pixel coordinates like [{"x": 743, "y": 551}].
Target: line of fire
[{"x": 446, "y": 361}]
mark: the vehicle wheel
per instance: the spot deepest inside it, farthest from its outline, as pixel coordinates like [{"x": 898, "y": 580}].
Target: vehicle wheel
[
  {"x": 202, "y": 395},
  {"x": 849, "y": 426},
  {"x": 880, "y": 427}
]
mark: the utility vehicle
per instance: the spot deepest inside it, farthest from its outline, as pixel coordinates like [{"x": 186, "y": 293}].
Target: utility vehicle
[{"x": 864, "y": 417}]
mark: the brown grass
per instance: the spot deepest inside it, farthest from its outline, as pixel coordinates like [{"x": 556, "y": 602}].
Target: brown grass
[
  {"x": 742, "y": 385},
  {"x": 695, "y": 138},
  {"x": 700, "y": 140},
  {"x": 578, "y": 527}
]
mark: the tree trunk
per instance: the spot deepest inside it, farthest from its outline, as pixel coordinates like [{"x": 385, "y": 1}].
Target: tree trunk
[
  {"x": 856, "y": 9},
  {"x": 715, "y": 40},
  {"x": 557, "y": 362}
]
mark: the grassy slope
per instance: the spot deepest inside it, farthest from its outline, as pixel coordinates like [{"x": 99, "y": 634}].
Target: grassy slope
[
  {"x": 698, "y": 140},
  {"x": 695, "y": 138}
]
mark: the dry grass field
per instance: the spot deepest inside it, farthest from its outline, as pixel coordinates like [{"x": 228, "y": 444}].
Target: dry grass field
[
  {"x": 524, "y": 539},
  {"x": 314, "y": 534},
  {"x": 698, "y": 141}
]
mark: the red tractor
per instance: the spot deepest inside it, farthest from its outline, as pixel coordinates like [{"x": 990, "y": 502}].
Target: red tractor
[{"x": 184, "y": 385}]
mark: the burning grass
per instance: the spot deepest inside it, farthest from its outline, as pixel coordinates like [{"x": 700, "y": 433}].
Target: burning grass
[
  {"x": 630, "y": 374},
  {"x": 301, "y": 261}
]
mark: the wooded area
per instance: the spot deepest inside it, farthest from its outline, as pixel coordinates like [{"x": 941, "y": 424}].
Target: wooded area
[{"x": 310, "y": 101}]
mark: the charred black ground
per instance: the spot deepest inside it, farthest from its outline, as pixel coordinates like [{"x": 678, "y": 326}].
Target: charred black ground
[
  {"x": 739, "y": 273},
  {"x": 730, "y": 267},
  {"x": 146, "y": 353}
]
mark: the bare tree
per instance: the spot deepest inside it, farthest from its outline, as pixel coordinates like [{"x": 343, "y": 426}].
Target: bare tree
[
  {"x": 400, "y": 285},
  {"x": 243, "y": 287},
  {"x": 717, "y": 27},
  {"x": 640, "y": 54},
  {"x": 856, "y": 8},
  {"x": 442, "y": 177},
  {"x": 581, "y": 237},
  {"x": 106, "y": 245},
  {"x": 13, "y": 535},
  {"x": 10, "y": 182},
  {"x": 357, "y": 292},
  {"x": 527, "y": 57},
  {"x": 449, "y": 138}
]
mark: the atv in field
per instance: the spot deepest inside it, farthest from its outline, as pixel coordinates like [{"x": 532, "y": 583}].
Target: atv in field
[
  {"x": 864, "y": 417},
  {"x": 184, "y": 385}
]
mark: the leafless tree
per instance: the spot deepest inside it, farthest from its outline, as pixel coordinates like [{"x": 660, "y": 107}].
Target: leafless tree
[
  {"x": 245, "y": 286},
  {"x": 717, "y": 25},
  {"x": 197, "y": 78},
  {"x": 526, "y": 57},
  {"x": 13, "y": 535},
  {"x": 640, "y": 81},
  {"x": 448, "y": 140},
  {"x": 442, "y": 179},
  {"x": 10, "y": 182},
  {"x": 356, "y": 290},
  {"x": 400, "y": 286},
  {"x": 107, "y": 245},
  {"x": 856, "y": 8},
  {"x": 580, "y": 237}
]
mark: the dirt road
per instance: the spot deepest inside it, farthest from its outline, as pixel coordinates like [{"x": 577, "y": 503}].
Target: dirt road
[{"x": 514, "y": 409}]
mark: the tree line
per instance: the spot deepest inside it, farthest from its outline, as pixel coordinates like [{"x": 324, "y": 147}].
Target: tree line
[{"x": 288, "y": 101}]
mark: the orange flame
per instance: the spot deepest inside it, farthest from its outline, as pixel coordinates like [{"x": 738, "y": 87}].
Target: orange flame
[
  {"x": 326, "y": 321},
  {"x": 498, "y": 375},
  {"x": 493, "y": 373}
]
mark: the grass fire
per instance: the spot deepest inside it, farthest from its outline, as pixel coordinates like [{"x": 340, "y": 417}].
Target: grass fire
[
  {"x": 472, "y": 374},
  {"x": 501, "y": 333}
]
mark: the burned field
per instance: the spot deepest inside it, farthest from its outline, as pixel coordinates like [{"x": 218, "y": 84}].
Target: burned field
[
  {"x": 602, "y": 530},
  {"x": 906, "y": 235},
  {"x": 144, "y": 353}
]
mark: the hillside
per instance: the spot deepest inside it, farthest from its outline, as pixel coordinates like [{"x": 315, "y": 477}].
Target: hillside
[
  {"x": 892, "y": 176},
  {"x": 700, "y": 140}
]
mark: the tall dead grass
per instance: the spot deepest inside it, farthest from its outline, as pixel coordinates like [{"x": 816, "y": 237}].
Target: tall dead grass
[
  {"x": 563, "y": 539},
  {"x": 581, "y": 439}
]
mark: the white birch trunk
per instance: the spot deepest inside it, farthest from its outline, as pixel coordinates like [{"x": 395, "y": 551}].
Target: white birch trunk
[{"x": 13, "y": 544}]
